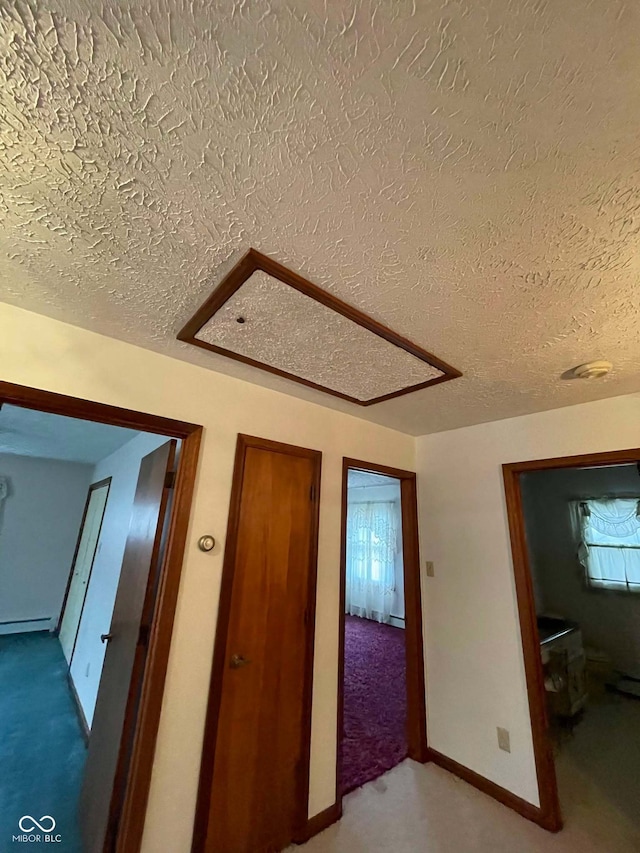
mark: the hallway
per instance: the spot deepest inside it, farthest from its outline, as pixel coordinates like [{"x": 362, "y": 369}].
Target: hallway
[
  {"x": 423, "y": 808},
  {"x": 42, "y": 750}
]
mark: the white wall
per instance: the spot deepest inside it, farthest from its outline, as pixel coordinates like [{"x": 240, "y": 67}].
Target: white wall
[
  {"x": 123, "y": 467},
  {"x": 44, "y": 353},
  {"x": 610, "y": 620},
  {"x": 39, "y": 524},
  {"x": 391, "y": 492},
  {"x": 474, "y": 663}
]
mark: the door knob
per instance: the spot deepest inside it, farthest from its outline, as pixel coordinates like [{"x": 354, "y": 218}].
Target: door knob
[
  {"x": 106, "y": 637},
  {"x": 237, "y": 661}
]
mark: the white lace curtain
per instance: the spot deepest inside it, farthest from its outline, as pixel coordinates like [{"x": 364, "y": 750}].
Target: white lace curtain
[
  {"x": 610, "y": 547},
  {"x": 372, "y": 543}
]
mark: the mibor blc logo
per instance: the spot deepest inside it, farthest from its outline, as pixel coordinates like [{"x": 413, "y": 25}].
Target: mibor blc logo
[{"x": 40, "y": 830}]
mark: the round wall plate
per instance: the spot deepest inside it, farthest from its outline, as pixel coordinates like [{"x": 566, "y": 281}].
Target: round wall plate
[{"x": 206, "y": 543}]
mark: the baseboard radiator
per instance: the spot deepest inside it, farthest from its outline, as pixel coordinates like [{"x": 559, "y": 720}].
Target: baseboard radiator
[{"x": 22, "y": 626}]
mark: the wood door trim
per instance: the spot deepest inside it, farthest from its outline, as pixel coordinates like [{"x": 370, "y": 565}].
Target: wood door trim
[
  {"x": 92, "y": 488},
  {"x": 550, "y": 813},
  {"x": 414, "y": 644},
  {"x": 244, "y": 442},
  {"x": 319, "y": 822},
  {"x": 502, "y": 795},
  {"x": 130, "y": 821}
]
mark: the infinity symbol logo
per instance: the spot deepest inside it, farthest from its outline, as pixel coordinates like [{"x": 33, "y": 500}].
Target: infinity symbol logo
[{"x": 28, "y": 823}]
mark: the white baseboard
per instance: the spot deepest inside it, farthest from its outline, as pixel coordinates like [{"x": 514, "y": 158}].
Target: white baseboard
[
  {"x": 23, "y": 626},
  {"x": 396, "y": 621}
]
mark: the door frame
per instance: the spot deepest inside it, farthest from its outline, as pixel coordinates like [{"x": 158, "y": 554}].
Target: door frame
[
  {"x": 549, "y": 816},
  {"x": 133, "y": 775},
  {"x": 92, "y": 488},
  {"x": 244, "y": 442},
  {"x": 414, "y": 644}
]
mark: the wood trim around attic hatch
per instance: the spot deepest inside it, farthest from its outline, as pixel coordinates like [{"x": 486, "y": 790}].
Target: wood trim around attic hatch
[{"x": 255, "y": 261}]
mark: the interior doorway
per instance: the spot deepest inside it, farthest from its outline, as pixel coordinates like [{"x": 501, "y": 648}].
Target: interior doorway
[
  {"x": 575, "y": 533},
  {"x": 375, "y": 692},
  {"x": 381, "y": 708},
  {"x": 94, "y": 510}
]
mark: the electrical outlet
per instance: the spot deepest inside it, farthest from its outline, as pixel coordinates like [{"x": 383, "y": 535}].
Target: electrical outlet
[
  {"x": 504, "y": 741},
  {"x": 430, "y": 570}
]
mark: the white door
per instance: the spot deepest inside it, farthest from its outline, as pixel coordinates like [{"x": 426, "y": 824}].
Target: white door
[{"x": 81, "y": 570}]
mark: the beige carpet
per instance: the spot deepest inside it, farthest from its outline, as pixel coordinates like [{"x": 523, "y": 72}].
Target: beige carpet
[{"x": 423, "y": 809}]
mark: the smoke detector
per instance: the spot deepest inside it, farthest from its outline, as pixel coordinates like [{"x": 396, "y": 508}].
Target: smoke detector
[{"x": 592, "y": 370}]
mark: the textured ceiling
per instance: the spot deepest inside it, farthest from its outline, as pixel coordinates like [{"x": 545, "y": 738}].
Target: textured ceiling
[
  {"x": 361, "y": 479},
  {"x": 26, "y": 432},
  {"x": 466, "y": 172},
  {"x": 290, "y": 331}
]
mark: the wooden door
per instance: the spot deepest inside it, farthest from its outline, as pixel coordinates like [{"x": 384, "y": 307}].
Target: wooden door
[
  {"x": 118, "y": 694},
  {"x": 254, "y": 783},
  {"x": 85, "y": 555}
]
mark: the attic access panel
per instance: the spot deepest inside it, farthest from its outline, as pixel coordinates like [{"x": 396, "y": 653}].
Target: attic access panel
[{"x": 265, "y": 315}]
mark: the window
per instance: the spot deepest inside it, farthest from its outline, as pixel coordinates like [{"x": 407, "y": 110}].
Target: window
[
  {"x": 610, "y": 547},
  {"x": 372, "y": 531}
]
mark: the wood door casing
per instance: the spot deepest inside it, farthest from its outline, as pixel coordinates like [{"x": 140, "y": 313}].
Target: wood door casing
[
  {"x": 416, "y": 717},
  {"x": 255, "y": 772}
]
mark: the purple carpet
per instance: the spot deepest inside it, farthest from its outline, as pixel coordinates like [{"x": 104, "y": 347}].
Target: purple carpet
[{"x": 375, "y": 701}]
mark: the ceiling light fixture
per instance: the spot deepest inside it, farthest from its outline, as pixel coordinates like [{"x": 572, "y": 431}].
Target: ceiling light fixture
[{"x": 592, "y": 370}]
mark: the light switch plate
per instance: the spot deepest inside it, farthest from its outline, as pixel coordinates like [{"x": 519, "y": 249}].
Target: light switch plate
[
  {"x": 430, "y": 569},
  {"x": 504, "y": 741}
]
